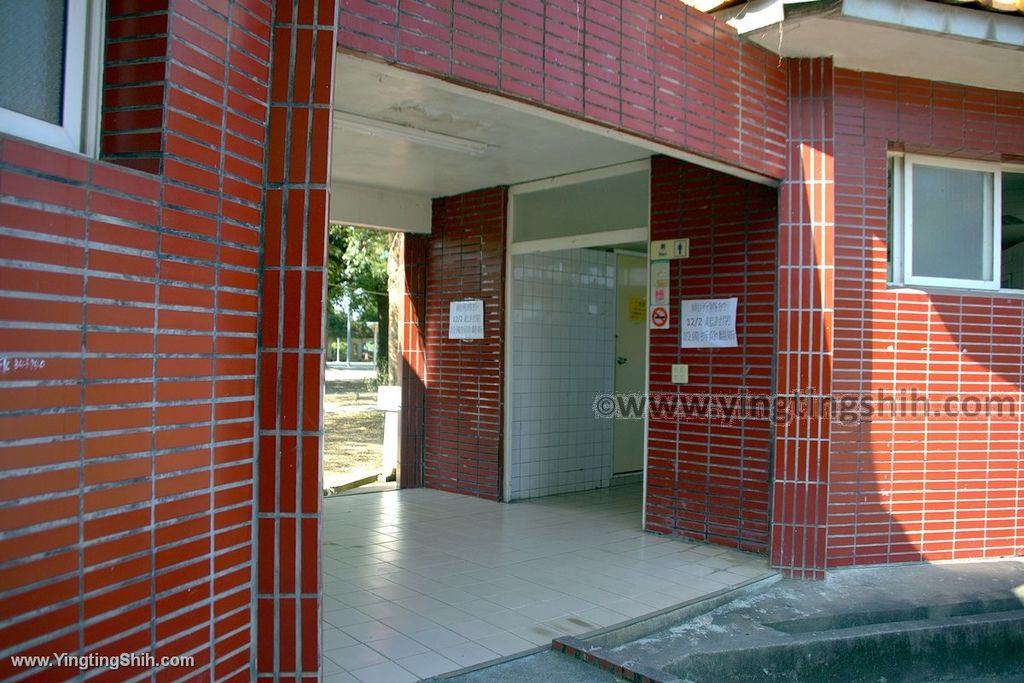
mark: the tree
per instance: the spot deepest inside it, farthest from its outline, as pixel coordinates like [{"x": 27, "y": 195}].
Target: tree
[{"x": 357, "y": 267}]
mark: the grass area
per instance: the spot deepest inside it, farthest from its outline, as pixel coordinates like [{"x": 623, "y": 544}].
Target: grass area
[
  {"x": 350, "y": 392},
  {"x": 353, "y": 441},
  {"x": 353, "y": 427}
]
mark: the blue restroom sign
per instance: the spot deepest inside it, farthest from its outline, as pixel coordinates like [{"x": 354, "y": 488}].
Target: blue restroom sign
[
  {"x": 708, "y": 323},
  {"x": 466, "y": 319}
]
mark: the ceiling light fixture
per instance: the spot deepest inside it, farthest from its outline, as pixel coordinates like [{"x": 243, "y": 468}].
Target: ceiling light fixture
[{"x": 368, "y": 126}]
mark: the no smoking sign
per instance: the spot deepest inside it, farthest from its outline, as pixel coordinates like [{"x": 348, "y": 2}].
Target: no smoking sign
[{"x": 659, "y": 317}]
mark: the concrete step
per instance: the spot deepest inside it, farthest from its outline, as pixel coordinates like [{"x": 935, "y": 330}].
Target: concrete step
[{"x": 915, "y": 623}]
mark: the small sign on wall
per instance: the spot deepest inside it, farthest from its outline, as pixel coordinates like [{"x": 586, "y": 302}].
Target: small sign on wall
[
  {"x": 659, "y": 283},
  {"x": 708, "y": 323},
  {"x": 659, "y": 318},
  {"x": 637, "y": 309},
  {"x": 670, "y": 249},
  {"x": 466, "y": 319}
]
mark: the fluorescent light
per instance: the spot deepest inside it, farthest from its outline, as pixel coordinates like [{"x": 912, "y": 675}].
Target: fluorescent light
[{"x": 368, "y": 126}]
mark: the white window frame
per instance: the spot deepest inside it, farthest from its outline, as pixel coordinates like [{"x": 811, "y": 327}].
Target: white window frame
[
  {"x": 80, "y": 116},
  {"x": 902, "y": 234}
]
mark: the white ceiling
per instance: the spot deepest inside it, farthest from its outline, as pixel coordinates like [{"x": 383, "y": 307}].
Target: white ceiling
[{"x": 523, "y": 144}]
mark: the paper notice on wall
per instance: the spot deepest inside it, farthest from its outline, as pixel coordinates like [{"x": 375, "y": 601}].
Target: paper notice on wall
[
  {"x": 707, "y": 323},
  {"x": 637, "y": 309},
  {"x": 466, "y": 319}
]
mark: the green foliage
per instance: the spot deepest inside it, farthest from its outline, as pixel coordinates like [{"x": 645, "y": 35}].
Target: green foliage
[
  {"x": 358, "y": 266},
  {"x": 357, "y": 274}
]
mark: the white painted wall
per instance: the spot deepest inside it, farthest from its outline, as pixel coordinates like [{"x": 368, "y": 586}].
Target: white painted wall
[{"x": 372, "y": 207}]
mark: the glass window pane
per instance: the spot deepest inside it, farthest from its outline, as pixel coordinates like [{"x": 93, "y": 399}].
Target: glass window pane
[
  {"x": 952, "y": 223},
  {"x": 32, "y": 55},
  {"x": 1013, "y": 230}
]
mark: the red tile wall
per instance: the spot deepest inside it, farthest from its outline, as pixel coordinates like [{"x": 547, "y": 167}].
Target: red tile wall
[
  {"x": 708, "y": 476},
  {"x": 414, "y": 359},
  {"x": 465, "y": 260},
  {"x": 292, "y": 340},
  {"x": 128, "y": 337},
  {"x": 926, "y": 486},
  {"x": 135, "y": 77},
  {"x": 654, "y": 68},
  {"x": 805, "y": 313}
]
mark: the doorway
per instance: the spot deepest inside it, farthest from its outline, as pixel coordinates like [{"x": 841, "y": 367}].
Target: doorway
[
  {"x": 630, "y": 362},
  {"x": 577, "y": 312},
  {"x": 360, "y": 422}
]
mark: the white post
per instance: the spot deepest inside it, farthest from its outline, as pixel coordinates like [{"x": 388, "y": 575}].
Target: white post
[{"x": 348, "y": 337}]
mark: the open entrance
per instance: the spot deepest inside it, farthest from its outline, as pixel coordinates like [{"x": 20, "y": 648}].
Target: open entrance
[
  {"x": 577, "y": 342},
  {"x": 361, "y": 388},
  {"x": 421, "y": 581}
]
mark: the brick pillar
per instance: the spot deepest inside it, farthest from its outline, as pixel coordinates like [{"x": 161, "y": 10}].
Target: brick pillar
[
  {"x": 805, "y": 291},
  {"x": 292, "y": 340},
  {"x": 414, "y": 359}
]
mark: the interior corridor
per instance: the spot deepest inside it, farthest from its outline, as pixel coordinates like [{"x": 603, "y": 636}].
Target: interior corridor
[{"x": 419, "y": 582}]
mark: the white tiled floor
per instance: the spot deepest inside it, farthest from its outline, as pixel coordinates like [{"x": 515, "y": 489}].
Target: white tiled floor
[{"x": 420, "y": 582}]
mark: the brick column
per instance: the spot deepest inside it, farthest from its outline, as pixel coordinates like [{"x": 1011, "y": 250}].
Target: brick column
[
  {"x": 414, "y": 358},
  {"x": 292, "y": 340},
  {"x": 805, "y": 295}
]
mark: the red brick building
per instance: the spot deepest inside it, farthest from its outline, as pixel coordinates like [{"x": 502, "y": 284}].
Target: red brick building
[{"x": 163, "y": 213}]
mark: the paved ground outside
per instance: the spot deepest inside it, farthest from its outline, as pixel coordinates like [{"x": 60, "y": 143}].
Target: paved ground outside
[
  {"x": 918, "y": 623},
  {"x": 353, "y": 427},
  {"x": 420, "y": 582}
]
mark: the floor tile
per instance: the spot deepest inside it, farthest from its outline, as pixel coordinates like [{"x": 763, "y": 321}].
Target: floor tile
[
  {"x": 468, "y": 653},
  {"x": 388, "y": 672},
  {"x": 369, "y": 631},
  {"x": 397, "y": 647},
  {"x": 427, "y": 664},
  {"x": 340, "y": 677},
  {"x": 438, "y": 638},
  {"x": 504, "y": 643},
  {"x": 419, "y": 583},
  {"x": 357, "y": 657},
  {"x": 335, "y": 639}
]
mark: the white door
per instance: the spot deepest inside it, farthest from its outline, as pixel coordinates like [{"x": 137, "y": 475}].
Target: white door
[{"x": 630, "y": 357}]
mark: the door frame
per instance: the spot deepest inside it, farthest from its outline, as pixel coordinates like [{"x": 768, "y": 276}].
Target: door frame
[
  {"x": 647, "y": 351},
  {"x": 581, "y": 241}
]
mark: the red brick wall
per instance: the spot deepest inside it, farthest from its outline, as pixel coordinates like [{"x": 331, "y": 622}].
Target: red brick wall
[
  {"x": 130, "y": 327},
  {"x": 653, "y": 68},
  {"x": 707, "y": 477},
  {"x": 292, "y": 340},
  {"x": 805, "y": 310},
  {"x": 927, "y": 487},
  {"x": 465, "y": 260},
  {"x": 135, "y": 81},
  {"x": 129, "y": 317}
]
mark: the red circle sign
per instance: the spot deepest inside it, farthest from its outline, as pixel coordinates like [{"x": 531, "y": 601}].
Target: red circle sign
[{"x": 659, "y": 316}]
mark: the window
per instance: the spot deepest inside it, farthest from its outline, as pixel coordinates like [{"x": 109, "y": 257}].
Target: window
[
  {"x": 49, "y": 50},
  {"x": 955, "y": 223}
]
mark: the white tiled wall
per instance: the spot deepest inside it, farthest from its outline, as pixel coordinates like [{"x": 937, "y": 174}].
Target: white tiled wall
[{"x": 563, "y": 343}]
